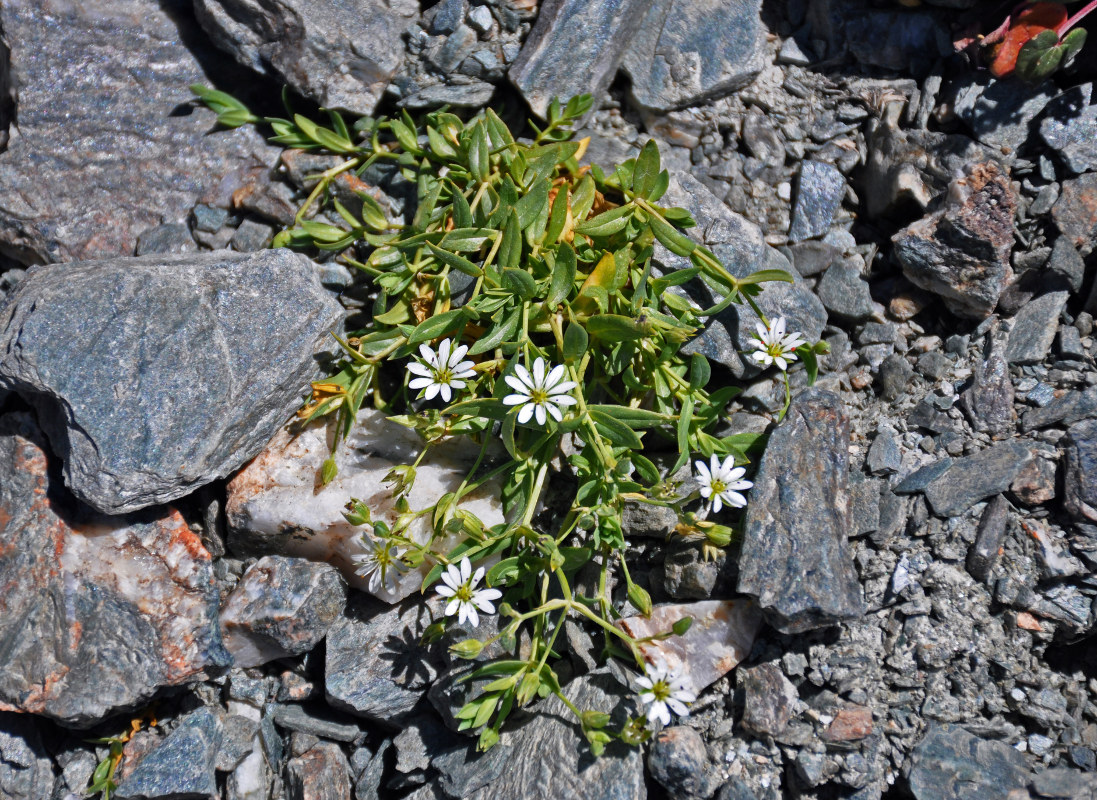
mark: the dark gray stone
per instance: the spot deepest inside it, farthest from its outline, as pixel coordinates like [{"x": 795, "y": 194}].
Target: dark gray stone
[
  {"x": 252, "y": 236},
  {"x": 918, "y": 480},
  {"x": 678, "y": 760},
  {"x": 690, "y": 575},
  {"x": 898, "y": 40},
  {"x": 341, "y": 54},
  {"x": 884, "y": 456},
  {"x": 550, "y": 754},
  {"x": 819, "y": 193},
  {"x": 1071, "y": 407},
  {"x": 933, "y": 365},
  {"x": 281, "y": 607},
  {"x": 795, "y": 555},
  {"x": 1075, "y": 212},
  {"x": 446, "y": 16},
  {"x": 645, "y": 519},
  {"x": 983, "y": 553},
  {"x": 182, "y": 765},
  {"x": 1080, "y": 473},
  {"x": 736, "y": 789},
  {"x": 769, "y": 699},
  {"x": 1034, "y": 329},
  {"x": 844, "y": 293},
  {"x": 186, "y": 367},
  {"x": 368, "y": 784},
  {"x": 864, "y": 504},
  {"x": 574, "y": 47},
  {"x": 1070, "y": 128},
  {"x": 237, "y": 741},
  {"x": 1062, "y": 783},
  {"x": 209, "y": 219},
  {"x": 456, "y": 48},
  {"x": 315, "y": 720},
  {"x": 376, "y": 667},
  {"x": 26, "y": 772},
  {"x": 951, "y": 764},
  {"x": 171, "y": 237},
  {"x": 1066, "y": 264},
  {"x": 320, "y": 773},
  {"x": 97, "y": 613},
  {"x": 812, "y": 257},
  {"x": 470, "y": 94},
  {"x": 1070, "y": 343},
  {"x": 976, "y": 477},
  {"x": 678, "y": 57},
  {"x": 988, "y": 402},
  {"x": 893, "y": 377},
  {"x": 463, "y": 770},
  {"x": 100, "y": 155},
  {"x": 1000, "y": 112},
  {"x": 961, "y": 252}
]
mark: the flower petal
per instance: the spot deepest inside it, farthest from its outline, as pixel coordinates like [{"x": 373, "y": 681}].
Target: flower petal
[
  {"x": 525, "y": 413},
  {"x": 539, "y": 413}
]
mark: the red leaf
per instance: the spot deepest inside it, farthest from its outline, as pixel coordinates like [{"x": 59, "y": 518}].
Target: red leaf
[{"x": 1033, "y": 20}]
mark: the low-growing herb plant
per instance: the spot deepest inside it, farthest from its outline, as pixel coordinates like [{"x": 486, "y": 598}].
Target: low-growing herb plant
[{"x": 521, "y": 308}]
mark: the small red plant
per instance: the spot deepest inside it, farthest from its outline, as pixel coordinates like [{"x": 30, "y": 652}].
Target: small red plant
[{"x": 1035, "y": 40}]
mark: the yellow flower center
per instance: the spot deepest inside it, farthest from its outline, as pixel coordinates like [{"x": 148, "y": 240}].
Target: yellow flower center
[
  {"x": 718, "y": 486},
  {"x": 444, "y": 376},
  {"x": 538, "y": 396}
]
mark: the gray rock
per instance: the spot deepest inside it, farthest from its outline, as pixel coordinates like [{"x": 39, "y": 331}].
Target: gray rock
[
  {"x": 456, "y": 48},
  {"x": 795, "y": 557},
  {"x": 464, "y": 771},
  {"x": 983, "y": 553},
  {"x": 893, "y": 377},
  {"x": 988, "y": 402},
  {"x": 951, "y": 764},
  {"x": 644, "y": 519},
  {"x": 864, "y": 504},
  {"x": 933, "y": 365},
  {"x": 320, "y": 773},
  {"x": 1062, "y": 783},
  {"x": 97, "y": 612},
  {"x": 446, "y": 16},
  {"x": 139, "y": 423},
  {"x": 1070, "y": 343},
  {"x": 961, "y": 252},
  {"x": 574, "y": 47},
  {"x": 844, "y": 293},
  {"x": 898, "y": 40},
  {"x": 1080, "y": 473},
  {"x": 736, "y": 789},
  {"x": 884, "y": 456},
  {"x": 281, "y": 607},
  {"x": 1070, "y": 128},
  {"x": 252, "y": 236},
  {"x": 471, "y": 94},
  {"x": 1034, "y": 329},
  {"x": 100, "y": 156},
  {"x": 317, "y": 721},
  {"x": 340, "y": 53},
  {"x": 238, "y": 741},
  {"x": 171, "y": 237},
  {"x": 376, "y": 667},
  {"x": 209, "y": 219},
  {"x": 1075, "y": 212},
  {"x": 679, "y": 762},
  {"x": 368, "y": 784},
  {"x": 679, "y": 58},
  {"x": 812, "y": 257},
  {"x": 976, "y": 477},
  {"x": 481, "y": 19},
  {"x": 819, "y": 193},
  {"x": 182, "y": 765},
  {"x": 1000, "y": 112},
  {"x": 769, "y": 699},
  {"x": 1071, "y": 407},
  {"x": 26, "y": 772},
  {"x": 688, "y": 574}
]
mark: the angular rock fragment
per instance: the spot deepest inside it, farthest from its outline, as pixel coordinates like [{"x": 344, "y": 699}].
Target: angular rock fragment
[
  {"x": 100, "y": 153},
  {"x": 281, "y": 607},
  {"x": 183, "y": 366},
  {"x": 1080, "y": 475},
  {"x": 769, "y": 699},
  {"x": 26, "y": 772},
  {"x": 720, "y": 636},
  {"x": 1075, "y": 212},
  {"x": 983, "y": 554},
  {"x": 951, "y": 764},
  {"x": 679, "y": 761},
  {"x": 340, "y": 53},
  {"x": 819, "y": 193},
  {"x": 961, "y": 252},
  {"x": 1067, "y": 409},
  {"x": 976, "y": 477},
  {"x": 795, "y": 557},
  {"x": 320, "y": 773},
  {"x": 1070, "y": 128},
  {"x": 182, "y": 765},
  {"x": 574, "y": 48},
  {"x": 678, "y": 57},
  {"x": 274, "y": 505},
  {"x": 1000, "y": 112},
  {"x": 1034, "y": 329},
  {"x": 97, "y": 613},
  {"x": 988, "y": 402}
]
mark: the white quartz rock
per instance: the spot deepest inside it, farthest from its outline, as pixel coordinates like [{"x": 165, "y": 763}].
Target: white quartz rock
[{"x": 277, "y": 505}]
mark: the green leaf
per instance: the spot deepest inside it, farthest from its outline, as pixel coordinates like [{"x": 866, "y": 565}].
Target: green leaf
[
  {"x": 646, "y": 171},
  {"x": 429, "y": 191},
  {"x": 500, "y": 133},
  {"x": 439, "y": 145},
  {"x": 659, "y": 188},
  {"x": 563, "y": 277},
  {"x": 1039, "y": 57},
  {"x": 685, "y": 419},
  {"x": 503, "y": 572},
  {"x": 462, "y": 214},
  {"x": 633, "y": 417},
  {"x": 558, "y": 217},
  {"x": 607, "y": 223},
  {"x": 480, "y": 407},
  {"x": 1072, "y": 43},
  {"x": 617, "y": 328},
  {"x": 699, "y": 371},
  {"x": 617, "y": 432},
  {"x": 676, "y": 278},
  {"x": 489, "y": 737},
  {"x": 467, "y": 649},
  {"x": 372, "y": 213},
  {"x": 811, "y": 362},
  {"x": 322, "y": 136},
  {"x": 675, "y": 242},
  {"x": 499, "y": 333},
  {"x": 230, "y": 112},
  {"x": 582, "y": 198},
  {"x": 433, "y": 327},
  {"x": 467, "y": 240},
  {"x": 648, "y": 471},
  {"x": 459, "y": 263},
  {"x": 405, "y": 135},
  {"x": 510, "y": 251},
  {"x": 479, "y": 153},
  {"x": 575, "y": 343},
  {"x": 766, "y": 275},
  {"x": 520, "y": 282},
  {"x": 533, "y": 204}
]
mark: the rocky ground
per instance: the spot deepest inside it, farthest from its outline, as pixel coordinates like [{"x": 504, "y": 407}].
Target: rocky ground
[{"x": 922, "y": 536}]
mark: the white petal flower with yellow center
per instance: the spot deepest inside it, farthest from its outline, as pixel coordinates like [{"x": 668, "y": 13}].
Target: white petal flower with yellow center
[
  {"x": 459, "y": 585},
  {"x": 380, "y": 563},
  {"x": 441, "y": 372},
  {"x": 722, "y": 482},
  {"x": 541, "y": 393},
  {"x": 664, "y": 691},
  {"x": 773, "y": 345}
]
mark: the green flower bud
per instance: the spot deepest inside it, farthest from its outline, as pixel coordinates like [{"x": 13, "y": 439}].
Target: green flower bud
[{"x": 469, "y": 648}]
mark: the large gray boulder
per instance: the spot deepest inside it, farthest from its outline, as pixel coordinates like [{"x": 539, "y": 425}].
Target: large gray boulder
[
  {"x": 156, "y": 375},
  {"x": 107, "y": 144},
  {"x": 341, "y": 53}
]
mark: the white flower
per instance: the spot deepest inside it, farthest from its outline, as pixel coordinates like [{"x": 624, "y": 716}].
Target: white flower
[
  {"x": 441, "y": 371},
  {"x": 460, "y": 586},
  {"x": 538, "y": 393},
  {"x": 664, "y": 691},
  {"x": 722, "y": 483},
  {"x": 772, "y": 345},
  {"x": 380, "y": 563}
]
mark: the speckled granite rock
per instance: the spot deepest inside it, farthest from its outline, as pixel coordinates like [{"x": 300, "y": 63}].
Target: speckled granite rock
[
  {"x": 182, "y": 765},
  {"x": 185, "y": 366}
]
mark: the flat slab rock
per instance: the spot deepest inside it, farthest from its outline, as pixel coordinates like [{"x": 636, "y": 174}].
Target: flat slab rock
[
  {"x": 796, "y": 558},
  {"x": 97, "y": 613},
  {"x": 951, "y": 764},
  {"x": 276, "y": 505},
  {"x": 185, "y": 365},
  {"x": 341, "y": 53},
  {"x": 101, "y": 151},
  {"x": 720, "y": 636},
  {"x": 970, "y": 479}
]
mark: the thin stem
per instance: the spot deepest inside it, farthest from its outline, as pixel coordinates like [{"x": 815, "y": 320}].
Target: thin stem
[{"x": 1074, "y": 20}]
